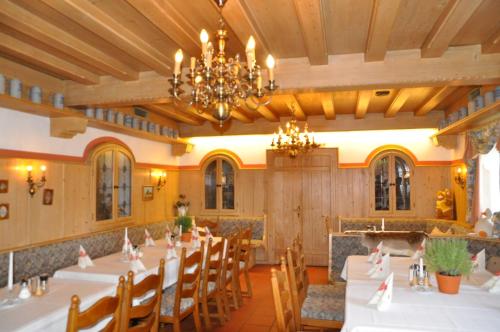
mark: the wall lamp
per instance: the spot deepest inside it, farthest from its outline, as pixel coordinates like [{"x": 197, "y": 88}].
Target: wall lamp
[
  {"x": 162, "y": 179},
  {"x": 460, "y": 177},
  {"x": 33, "y": 185}
]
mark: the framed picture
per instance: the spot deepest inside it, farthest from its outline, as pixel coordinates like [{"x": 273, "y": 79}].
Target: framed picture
[
  {"x": 4, "y": 211},
  {"x": 4, "y": 186},
  {"x": 48, "y": 196},
  {"x": 147, "y": 193}
]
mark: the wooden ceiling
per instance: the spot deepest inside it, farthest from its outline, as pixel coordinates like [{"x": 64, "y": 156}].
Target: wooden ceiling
[{"x": 108, "y": 46}]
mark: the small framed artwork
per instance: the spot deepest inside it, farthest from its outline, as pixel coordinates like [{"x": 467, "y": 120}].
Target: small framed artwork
[
  {"x": 4, "y": 211},
  {"x": 48, "y": 196},
  {"x": 4, "y": 186},
  {"x": 147, "y": 193}
]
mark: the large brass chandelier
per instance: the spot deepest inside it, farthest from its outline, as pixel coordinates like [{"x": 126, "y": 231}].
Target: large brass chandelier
[
  {"x": 292, "y": 141},
  {"x": 221, "y": 84}
]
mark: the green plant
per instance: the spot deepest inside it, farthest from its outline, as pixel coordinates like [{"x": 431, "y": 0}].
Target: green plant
[
  {"x": 184, "y": 221},
  {"x": 448, "y": 257}
]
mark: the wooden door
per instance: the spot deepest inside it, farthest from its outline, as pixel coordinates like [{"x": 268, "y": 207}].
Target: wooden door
[{"x": 300, "y": 197}]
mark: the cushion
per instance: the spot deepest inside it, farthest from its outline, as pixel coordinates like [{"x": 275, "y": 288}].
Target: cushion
[
  {"x": 168, "y": 299},
  {"x": 211, "y": 287},
  {"x": 336, "y": 290},
  {"x": 324, "y": 302}
]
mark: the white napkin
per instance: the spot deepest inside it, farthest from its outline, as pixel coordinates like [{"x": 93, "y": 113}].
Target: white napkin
[
  {"x": 127, "y": 245},
  {"x": 149, "y": 242},
  {"x": 383, "y": 296},
  {"x": 171, "y": 253},
  {"x": 195, "y": 238},
  {"x": 168, "y": 233},
  {"x": 381, "y": 267},
  {"x": 493, "y": 284},
  {"x": 376, "y": 252},
  {"x": 479, "y": 261},
  {"x": 136, "y": 264},
  {"x": 84, "y": 259},
  {"x": 420, "y": 250},
  {"x": 208, "y": 234}
]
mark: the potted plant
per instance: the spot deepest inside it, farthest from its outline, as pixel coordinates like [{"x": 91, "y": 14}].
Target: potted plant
[
  {"x": 450, "y": 260},
  {"x": 182, "y": 205},
  {"x": 186, "y": 223}
]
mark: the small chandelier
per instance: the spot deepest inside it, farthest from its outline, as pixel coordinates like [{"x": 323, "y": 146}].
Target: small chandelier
[
  {"x": 292, "y": 141},
  {"x": 218, "y": 84}
]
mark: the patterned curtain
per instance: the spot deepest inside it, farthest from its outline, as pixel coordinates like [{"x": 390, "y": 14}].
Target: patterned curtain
[{"x": 479, "y": 141}]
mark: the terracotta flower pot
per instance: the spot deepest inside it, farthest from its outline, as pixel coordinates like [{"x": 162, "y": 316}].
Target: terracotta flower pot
[
  {"x": 186, "y": 237},
  {"x": 448, "y": 284}
]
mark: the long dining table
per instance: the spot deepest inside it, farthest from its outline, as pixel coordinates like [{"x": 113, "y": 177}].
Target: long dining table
[
  {"x": 474, "y": 309},
  {"x": 49, "y": 312}
]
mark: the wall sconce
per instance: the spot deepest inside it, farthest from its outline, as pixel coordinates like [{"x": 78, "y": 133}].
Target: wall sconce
[
  {"x": 33, "y": 185},
  {"x": 162, "y": 179},
  {"x": 460, "y": 177}
]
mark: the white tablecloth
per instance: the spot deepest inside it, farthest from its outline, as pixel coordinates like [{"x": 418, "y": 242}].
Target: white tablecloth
[
  {"x": 473, "y": 309},
  {"x": 50, "y": 312}
]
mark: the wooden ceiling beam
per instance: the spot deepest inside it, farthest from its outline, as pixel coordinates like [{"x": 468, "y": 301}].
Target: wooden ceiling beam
[
  {"x": 311, "y": 20},
  {"x": 25, "y": 22},
  {"x": 250, "y": 106},
  {"x": 240, "y": 19},
  {"x": 328, "y": 105},
  {"x": 435, "y": 100},
  {"x": 294, "y": 107},
  {"x": 384, "y": 14},
  {"x": 45, "y": 60},
  {"x": 449, "y": 23},
  {"x": 362, "y": 104},
  {"x": 464, "y": 65},
  {"x": 239, "y": 115},
  {"x": 167, "y": 19},
  {"x": 397, "y": 103},
  {"x": 492, "y": 45},
  {"x": 170, "y": 112},
  {"x": 94, "y": 19}
]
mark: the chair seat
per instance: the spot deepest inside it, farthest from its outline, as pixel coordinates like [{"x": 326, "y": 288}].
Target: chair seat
[
  {"x": 211, "y": 287},
  {"x": 324, "y": 302},
  {"x": 168, "y": 299}
]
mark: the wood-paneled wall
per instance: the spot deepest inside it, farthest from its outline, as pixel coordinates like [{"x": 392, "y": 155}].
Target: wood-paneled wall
[{"x": 32, "y": 223}]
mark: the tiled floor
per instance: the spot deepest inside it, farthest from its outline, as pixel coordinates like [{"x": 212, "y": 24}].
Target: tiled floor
[{"x": 257, "y": 313}]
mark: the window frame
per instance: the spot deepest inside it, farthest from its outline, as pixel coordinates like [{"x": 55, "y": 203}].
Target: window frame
[
  {"x": 218, "y": 201},
  {"x": 392, "y": 212},
  {"x": 115, "y": 220}
]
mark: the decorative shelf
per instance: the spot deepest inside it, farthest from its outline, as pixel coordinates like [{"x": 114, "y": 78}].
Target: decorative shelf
[
  {"x": 27, "y": 106},
  {"x": 481, "y": 117}
]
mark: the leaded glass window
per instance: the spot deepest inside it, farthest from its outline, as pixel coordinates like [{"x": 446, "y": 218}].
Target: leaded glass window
[{"x": 219, "y": 185}]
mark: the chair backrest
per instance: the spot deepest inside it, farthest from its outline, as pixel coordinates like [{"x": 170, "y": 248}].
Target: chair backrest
[
  {"x": 106, "y": 306},
  {"x": 245, "y": 243},
  {"x": 298, "y": 247},
  {"x": 148, "y": 311},
  {"x": 282, "y": 301},
  {"x": 211, "y": 224},
  {"x": 295, "y": 276},
  {"x": 231, "y": 258},
  {"x": 188, "y": 279},
  {"x": 213, "y": 265}
]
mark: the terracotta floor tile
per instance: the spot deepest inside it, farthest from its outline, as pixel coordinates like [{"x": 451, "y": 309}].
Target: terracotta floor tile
[{"x": 254, "y": 328}]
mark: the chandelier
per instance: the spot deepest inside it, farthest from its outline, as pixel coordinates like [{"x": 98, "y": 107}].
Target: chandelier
[
  {"x": 220, "y": 84},
  {"x": 292, "y": 141}
]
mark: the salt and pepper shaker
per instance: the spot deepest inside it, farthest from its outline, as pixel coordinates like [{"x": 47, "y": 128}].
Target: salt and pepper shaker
[{"x": 24, "y": 293}]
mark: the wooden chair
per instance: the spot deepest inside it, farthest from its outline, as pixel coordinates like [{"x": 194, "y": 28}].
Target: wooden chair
[
  {"x": 321, "y": 308},
  {"x": 299, "y": 249},
  {"x": 109, "y": 305},
  {"x": 147, "y": 313},
  {"x": 282, "y": 296},
  {"x": 210, "y": 281},
  {"x": 213, "y": 226},
  {"x": 245, "y": 242},
  {"x": 181, "y": 300},
  {"x": 229, "y": 284}
]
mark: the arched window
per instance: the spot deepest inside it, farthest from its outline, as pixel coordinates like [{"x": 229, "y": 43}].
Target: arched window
[
  {"x": 391, "y": 184},
  {"x": 219, "y": 184},
  {"x": 112, "y": 169}
]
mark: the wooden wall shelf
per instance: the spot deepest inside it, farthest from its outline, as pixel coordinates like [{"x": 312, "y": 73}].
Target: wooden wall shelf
[
  {"x": 483, "y": 116},
  {"x": 27, "y": 106}
]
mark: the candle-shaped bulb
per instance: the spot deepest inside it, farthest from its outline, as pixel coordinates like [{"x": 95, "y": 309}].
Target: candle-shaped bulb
[
  {"x": 178, "y": 60},
  {"x": 208, "y": 57},
  {"x": 193, "y": 63},
  {"x": 164, "y": 174},
  {"x": 250, "y": 51},
  {"x": 459, "y": 170},
  {"x": 270, "y": 66},
  {"x": 204, "y": 41},
  {"x": 198, "y": 79},
  {"x": 29, "y": 168},
  {"x": 43, "y": 168}
]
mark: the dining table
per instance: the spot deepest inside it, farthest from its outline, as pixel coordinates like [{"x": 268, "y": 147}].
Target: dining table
[
  {"x": 473, "y": 309},
  {"x": 49, "y": 312}
]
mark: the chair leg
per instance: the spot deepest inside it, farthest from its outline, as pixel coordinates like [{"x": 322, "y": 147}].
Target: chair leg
[
  {"x": 206, "y": 314},
  {"x": 235, "y": 286},
  {"x": 196, "y": 317},
  {"x": 226, "y": 303},
  {"x": 248, "y": 283},
  {"x": 220, "y": 308},
  {"x": 239, "y": 297},
  {"x": 177, "y": 325}
]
